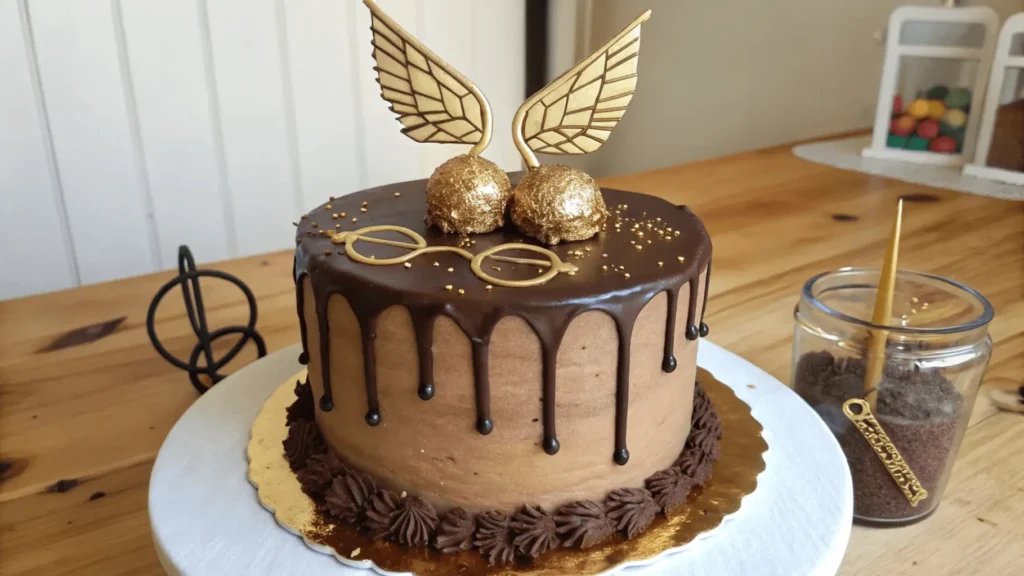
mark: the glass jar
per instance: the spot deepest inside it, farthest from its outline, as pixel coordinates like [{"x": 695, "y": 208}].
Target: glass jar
[{"x": 936, "y": 351}]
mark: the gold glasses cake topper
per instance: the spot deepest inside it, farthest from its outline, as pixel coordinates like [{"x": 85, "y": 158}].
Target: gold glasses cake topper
[
  {"x": 436, "y": 103},
  {"x": 419, "y": 247},
  {"x": 574, "y": 114}
]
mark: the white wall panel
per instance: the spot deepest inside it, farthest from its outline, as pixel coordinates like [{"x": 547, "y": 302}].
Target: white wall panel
[
  {"x": 261, "y": 172},
  {"x": 390, "y": 156},
  {"x": 328, "y": 112},
  {"x": 165, "y": 43},
  {"x": 35, "y": 252},
  {"x": 133, "y": 126},
  {"x": 86, "y": 98},
  {"x": 498, "y": 35}
]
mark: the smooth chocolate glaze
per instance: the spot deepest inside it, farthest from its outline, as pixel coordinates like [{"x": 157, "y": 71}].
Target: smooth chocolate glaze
[{"x": 548, "y": 308}]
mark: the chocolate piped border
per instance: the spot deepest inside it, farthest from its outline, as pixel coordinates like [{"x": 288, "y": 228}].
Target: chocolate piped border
[{"x": 349, "y": 496}]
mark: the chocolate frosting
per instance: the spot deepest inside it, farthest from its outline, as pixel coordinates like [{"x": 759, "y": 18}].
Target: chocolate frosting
[
  {"x": 583, "y": 524},
  {"x": 354, "y": 498},
  {"x": 455, "y": 532},
  {"x": 631, "y": 509},
  {"x": 494, "y": 538},
  {"x": 349, "y": 495},
  {"x": 534, "y": 530},
  {"x": 303, "y": 408},
  {"x": 662, "y": 247},
  {"x": 380, "y": 513},
  {"x": 319, "y": 473},
  {"x": 414, "y": 522},
  {"x": 670, "y": 488},
  {"x": 303, "y": 441}
]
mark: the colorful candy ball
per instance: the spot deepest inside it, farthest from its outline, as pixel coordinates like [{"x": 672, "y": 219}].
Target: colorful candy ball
[
  {"x": 943, "y": 145},
  {"x": 937, "y": 93},
  {"x": 936, "y": 109},
  {"x": 954, "y": 118},
  {"x": 958, "y": 98},
  {"x": 928, "y": 129},
  {"x": 917, "y": 143},
  {"x": 894, "y": 141},
  {"x": 919, "y": 108},
  {"x": 902, "y": 126}
]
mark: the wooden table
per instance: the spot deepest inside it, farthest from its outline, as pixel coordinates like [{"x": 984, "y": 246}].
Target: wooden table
[{"x": 85, "y": 401}]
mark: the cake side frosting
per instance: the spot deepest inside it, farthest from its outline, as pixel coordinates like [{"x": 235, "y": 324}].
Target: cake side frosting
[{"x": 650, "y": 247}]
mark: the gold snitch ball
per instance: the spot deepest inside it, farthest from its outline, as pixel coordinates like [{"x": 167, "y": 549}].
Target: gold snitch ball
[
  {"x": 467, "y": 195},
  {"x": 556, "y": 203}
]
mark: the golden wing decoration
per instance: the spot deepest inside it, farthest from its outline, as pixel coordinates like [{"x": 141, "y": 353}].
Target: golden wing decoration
[
  {"x": 576, "y": 113},
  {"x": 434, "y": 102}
]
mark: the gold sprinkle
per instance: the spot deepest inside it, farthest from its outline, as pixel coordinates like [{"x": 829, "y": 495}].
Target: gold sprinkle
[
  {"x": 680, "y": 258},
  {"x": 913, "y": 299},
  {"x": 658, "y": 219},
  {"x": 498, "y": 268},
  {"x": 587, "y": 248},
  {"x": 541, "y": 270},
  {"x": 366, "y": 203},
  {"x": 404, "y": 493},
  {"x": 625, "y": 206},
  {"x": 397, "y": 194},
  {"x": 407, "y": 265},
  {"x": 330, "y": 197},
  {"x": 639, "y": 247},
  {"x": 489, "y": 287},
  {"x": 571, "y": 272},
  {"x": 604, "y": 255},
  {"x": 355, "y": 552},
  {"x": 640, "y": 234},
  {"x": 604, "y": 267},
  {"x": 626, "y": 275},
  {"x": 448, "y": 287},
  {"x": 676, "y": 232},
  {"x": 342, "y": 214},
  {"x": 337, "y": 225},
  {"x": 649, "y": 242},
  {"x": 373, "y": 257},
  {"x": 328, "y": 252},
  {"x": 328, "y": 207},
  {"x": 315, "y": 225},
  {"x": 304, "y": 216},
  {"x": 669, "y": 228},
  {"x": 661, "y": 264},
  {"x": 451, "y": 269},
  {"x": 436, "y": 264},
  {"x": 632, "y": 241},
  {"x": 461, "y": 291},
  {"x": 362, "y": 210},
  {"x": 355, "y": 219}
]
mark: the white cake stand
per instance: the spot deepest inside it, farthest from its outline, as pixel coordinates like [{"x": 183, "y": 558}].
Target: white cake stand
[{"x": 206, "y": 519}]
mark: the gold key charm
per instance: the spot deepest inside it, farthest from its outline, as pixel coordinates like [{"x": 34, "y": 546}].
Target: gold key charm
[{"x": 898, "y": 468}]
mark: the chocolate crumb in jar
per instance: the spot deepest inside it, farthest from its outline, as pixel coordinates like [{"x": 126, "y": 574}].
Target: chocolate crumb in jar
[{"x": 920, "y": 410}]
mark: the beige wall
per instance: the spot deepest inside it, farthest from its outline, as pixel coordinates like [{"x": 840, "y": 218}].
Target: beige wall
[{"x": 723, "y": 76}]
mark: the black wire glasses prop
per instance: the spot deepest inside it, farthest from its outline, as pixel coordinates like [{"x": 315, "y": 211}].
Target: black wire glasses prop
[{"x": 188, "y": 279}]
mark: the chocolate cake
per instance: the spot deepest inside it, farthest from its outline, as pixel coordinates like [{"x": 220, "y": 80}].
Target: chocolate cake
[{"x": 444, "y": 410}]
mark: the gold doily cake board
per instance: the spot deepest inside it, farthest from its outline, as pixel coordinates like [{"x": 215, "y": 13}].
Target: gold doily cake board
[
  {"x": 734, "y": 476},
  {"x": 206, "y": 519}
]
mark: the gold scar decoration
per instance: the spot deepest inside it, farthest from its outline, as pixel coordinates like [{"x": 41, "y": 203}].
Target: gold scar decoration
[
  {"x": 419, "y": 246},
  {"x": 886, "y": 451}
]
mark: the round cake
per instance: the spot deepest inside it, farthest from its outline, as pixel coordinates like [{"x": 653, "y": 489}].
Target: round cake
[{"x": 479, "y": 397}]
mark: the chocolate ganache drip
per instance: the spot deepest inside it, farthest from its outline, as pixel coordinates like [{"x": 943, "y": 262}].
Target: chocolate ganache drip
[{"x": 675, "y": 252}]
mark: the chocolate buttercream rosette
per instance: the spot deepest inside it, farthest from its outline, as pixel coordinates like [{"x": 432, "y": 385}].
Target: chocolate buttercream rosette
[{"x": 371, "y": 526}]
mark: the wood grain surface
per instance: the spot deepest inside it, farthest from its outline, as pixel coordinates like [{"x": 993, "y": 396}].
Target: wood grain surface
[{"x": 85, "y": 401}]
